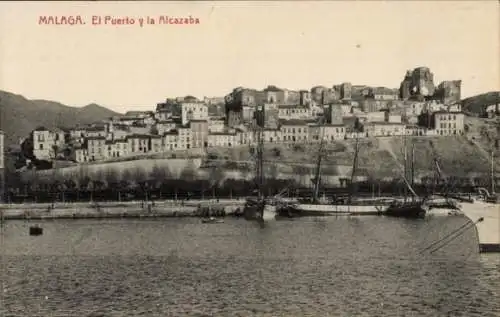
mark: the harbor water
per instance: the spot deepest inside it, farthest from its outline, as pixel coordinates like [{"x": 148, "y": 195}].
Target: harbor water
[{"x": 345, "y": 266}]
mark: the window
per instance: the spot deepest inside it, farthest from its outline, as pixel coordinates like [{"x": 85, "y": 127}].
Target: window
[{"x": 41, "y": 146}]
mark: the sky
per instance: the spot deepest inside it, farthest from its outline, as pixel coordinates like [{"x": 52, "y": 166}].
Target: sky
[{"x": 294, "y": 45}]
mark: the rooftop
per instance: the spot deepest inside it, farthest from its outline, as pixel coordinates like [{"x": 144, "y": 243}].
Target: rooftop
[
  {"x": 292, "y": 107},
  {"x": 298, "y": 121},
  {"x": 223, "y": 133},
  {"x": 138, "y": 136},
  {"x": 448, "y": 112},
  {"x": 384, "y": 123}
]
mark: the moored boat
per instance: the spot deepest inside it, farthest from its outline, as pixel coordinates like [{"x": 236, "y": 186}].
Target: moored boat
[
  {"x": 36, "y": 230},
  {"x": 411, "y": 209},
  {"x": 212, "y": 220},
  {"x": 332, "y": 208},
  {"x": 260, "y": 208},
  {"x": 321, "y": 206}
]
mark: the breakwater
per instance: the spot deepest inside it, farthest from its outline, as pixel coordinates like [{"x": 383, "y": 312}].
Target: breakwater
[{"x": 133, "y": 209}]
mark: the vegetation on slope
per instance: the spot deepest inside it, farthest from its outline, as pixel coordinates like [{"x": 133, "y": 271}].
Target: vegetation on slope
[
  {"x": 19, "y": 116},
  {"x": 474, "y": 104}
]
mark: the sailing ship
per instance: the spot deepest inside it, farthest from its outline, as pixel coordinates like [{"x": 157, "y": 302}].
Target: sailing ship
[
  {"x": 485, "y": 195},
  {"x": 321, "y": 206},
  {"x": 445, "y": 203},
  {"x": 260, "y": 208},
  {"x": 416, "y": 207}
]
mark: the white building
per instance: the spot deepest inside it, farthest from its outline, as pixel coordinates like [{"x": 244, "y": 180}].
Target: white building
[
  {"x": 81, "y": 155},
  {"x": 193, "y": 111},
  {"x": 45, "y": 142},
  {"x": 289, "y": 112},
  {"x": 185, "y": 140},
  {"x": 216, "y": 125},
  {"x": 223, "y": 139},
  {"x": 95, "y": 146}
]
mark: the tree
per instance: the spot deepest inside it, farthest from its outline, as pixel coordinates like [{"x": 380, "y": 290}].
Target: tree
[
  {"x": 216, "y": 177},
  {"x": 27, "y": 148},
  {"x": 140, "y": 179},
  {"x": 272, "y": 171},
  {"x": 111, "y": 178},
  {"x": 301, "y": 171},
  {"x": 138, "y": 175},
  {"x": 189, "y": 172},
  {"x": 244, "y": 172},
  {"x": 159, "y": 175},
  {"x": 124, "y": 183}
]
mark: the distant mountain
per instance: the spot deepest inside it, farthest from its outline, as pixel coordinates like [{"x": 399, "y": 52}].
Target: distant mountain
[
  {"x": 19, "y": 116},
  {"x": 477, "y": 104}
]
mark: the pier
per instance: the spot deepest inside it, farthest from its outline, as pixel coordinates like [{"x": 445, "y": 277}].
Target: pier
[{"x": 102, "y": 210}]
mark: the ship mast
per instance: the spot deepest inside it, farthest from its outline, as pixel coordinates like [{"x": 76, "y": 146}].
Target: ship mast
[
  {"x": 492, "y": 172},
  {"x": 404, "y": 174},
  {"x": 260, "y": 162},
  {"x": 354, "y": 166},
  {"x": 413, "y": 164},
  {"x": 405, "y": 166},
  {"x": 317, "y": 173}
]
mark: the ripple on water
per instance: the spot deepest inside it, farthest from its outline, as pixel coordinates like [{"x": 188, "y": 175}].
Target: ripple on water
[{"x": 339, "y": 267}]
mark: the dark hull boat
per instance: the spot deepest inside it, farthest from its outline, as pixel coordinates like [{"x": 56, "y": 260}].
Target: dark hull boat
[
  {"x": 406, "y": 210},
  {"x": 36, "y": 231},
  {"x": 293, "y": 211},
  {"x": 259, "y": 209},
  {"x": 253, "y": 208}
]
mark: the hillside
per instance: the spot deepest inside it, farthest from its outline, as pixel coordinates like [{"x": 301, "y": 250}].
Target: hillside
[
  {"x": 476, "y": 104},
  {"x": 19, "y": 116},
  {"x": 379, "y": 157}
]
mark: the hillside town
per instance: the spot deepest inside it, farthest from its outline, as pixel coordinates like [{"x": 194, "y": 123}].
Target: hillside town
[{"x": 418, "y": 107}]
